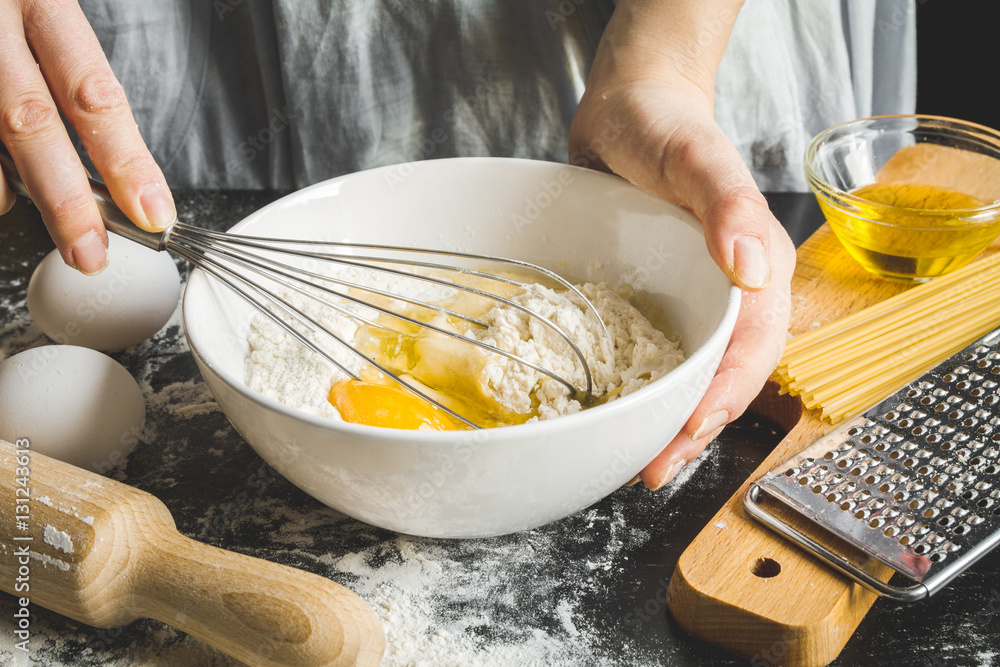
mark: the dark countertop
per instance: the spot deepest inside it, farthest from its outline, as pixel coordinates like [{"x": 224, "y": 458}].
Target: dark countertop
[{"x": 586, "y": 590}]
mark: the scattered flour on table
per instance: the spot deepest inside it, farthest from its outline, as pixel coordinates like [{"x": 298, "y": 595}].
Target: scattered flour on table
[
  {"x": 433, "y": 609},
  {"x": 631, "y": 355}
]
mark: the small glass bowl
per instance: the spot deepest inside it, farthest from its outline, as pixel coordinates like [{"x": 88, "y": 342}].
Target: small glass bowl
[{"x": 911, "y": 152}]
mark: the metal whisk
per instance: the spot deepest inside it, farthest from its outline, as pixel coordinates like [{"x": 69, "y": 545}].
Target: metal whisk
[{"x": 255, "y": 267}]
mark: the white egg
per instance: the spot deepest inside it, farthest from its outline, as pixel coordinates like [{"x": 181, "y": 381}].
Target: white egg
[
  {"x": 122, "y": 306},
  {"x": 73, "y": 404}
]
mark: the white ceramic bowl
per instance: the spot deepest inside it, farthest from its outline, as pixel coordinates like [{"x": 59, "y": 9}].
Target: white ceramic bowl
[{"x": 583, "y": 224}]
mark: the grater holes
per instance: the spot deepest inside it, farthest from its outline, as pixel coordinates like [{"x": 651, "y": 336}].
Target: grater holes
[
  {"x": 867, "y": 439},
  {"x": 877, "y": 522},
  {"x": 982, "y": 363},
  {"x": 921, "y": 549},
  {"x": 946, "y": 521},
  {"x": 937, "y": 557},
  {"x": 950, "y": 377},
  {"x": 889, "y": 416},
  {"x": 977, "y": 392},
  {"x": 954, "y": 414},
  {"x": 985, "y": 502},
  {"x": 926, "y": 400},
  {"x": 963, "y": 385},
  {"x": 961, "y": 529},
  {"x": 930, "y": 512},
  {"x": 891, "y": 531}
]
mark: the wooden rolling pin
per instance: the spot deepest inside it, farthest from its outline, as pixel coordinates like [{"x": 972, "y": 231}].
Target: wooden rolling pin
[{"x": 106, "y": 554}]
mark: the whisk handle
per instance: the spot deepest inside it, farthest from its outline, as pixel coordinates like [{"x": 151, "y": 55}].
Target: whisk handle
[{"x": 114, "y": 219}]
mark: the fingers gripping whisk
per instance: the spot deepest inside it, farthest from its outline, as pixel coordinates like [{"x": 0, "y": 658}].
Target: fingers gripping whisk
[{"x": 265, "y": 271}]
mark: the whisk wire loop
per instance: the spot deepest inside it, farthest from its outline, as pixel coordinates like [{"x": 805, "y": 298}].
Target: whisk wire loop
[
  {"x": 307, "y": 288},
  {"x": 220, "y": 271},
  {"x": 221, "y": 255}
]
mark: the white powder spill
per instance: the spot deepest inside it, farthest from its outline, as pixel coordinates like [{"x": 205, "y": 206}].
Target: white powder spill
[
  {"x": 417, "y": 595},
  {"x": 58, "y": 539}
]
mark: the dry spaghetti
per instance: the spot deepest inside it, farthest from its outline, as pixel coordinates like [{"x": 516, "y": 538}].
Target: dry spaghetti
[{"x": 844, "y": 367}]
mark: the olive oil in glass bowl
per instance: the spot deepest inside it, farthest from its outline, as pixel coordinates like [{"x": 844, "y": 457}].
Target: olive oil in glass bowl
[{"x": 909, "y": 197}]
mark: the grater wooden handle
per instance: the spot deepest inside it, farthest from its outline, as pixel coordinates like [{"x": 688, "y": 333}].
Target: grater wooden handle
[{"x": 742, "y": 587}]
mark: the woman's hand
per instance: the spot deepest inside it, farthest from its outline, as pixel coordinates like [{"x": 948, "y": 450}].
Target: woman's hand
[
  {"x": 647, "y": 115},
  {"x": 51, "y": 62}
]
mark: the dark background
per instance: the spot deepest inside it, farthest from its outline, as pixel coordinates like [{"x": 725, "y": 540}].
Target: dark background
[{"x": 956, "y": 60}]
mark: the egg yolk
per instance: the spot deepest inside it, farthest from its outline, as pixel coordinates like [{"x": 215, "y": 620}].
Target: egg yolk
[{"x": 389, "y": 407}]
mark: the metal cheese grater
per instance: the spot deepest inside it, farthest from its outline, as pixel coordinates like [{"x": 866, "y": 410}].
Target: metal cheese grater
[{"x": 914, "y": 482}]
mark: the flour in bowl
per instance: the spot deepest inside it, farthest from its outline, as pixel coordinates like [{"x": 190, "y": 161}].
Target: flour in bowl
[{"x": 486, "y": 387}]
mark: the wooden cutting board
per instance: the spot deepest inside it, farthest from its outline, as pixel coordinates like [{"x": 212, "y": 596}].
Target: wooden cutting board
[{"x": 739, "y": 585}]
